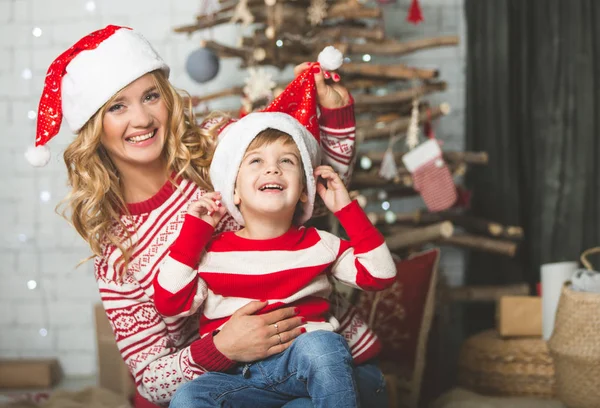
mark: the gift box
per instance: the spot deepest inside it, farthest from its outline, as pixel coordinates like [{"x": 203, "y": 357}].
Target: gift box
[
  {"x": 519, "y": 316},
  {"x": 29, "y": 373}
]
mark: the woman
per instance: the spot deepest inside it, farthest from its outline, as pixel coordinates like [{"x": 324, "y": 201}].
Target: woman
[{"x": 137, "y": 161}]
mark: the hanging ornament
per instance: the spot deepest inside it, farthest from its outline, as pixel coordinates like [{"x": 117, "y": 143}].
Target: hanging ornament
[
  {"x": 259, "y": 85},
  {"x": 388, "y": 169},
  {"x": 317, "y": 11},
  {"x": 415, "y": 15},
  {"x": 202, "y": 65},
  {"x": 412, "y": 135},
  {"x": 242, "y": 13}
]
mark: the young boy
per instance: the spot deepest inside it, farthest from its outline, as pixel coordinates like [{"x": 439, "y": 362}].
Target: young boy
[{"x": 262, "y": 171}]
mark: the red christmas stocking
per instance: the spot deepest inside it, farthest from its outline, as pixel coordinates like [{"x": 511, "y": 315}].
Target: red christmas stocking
[{"x": 431, "y": 176}]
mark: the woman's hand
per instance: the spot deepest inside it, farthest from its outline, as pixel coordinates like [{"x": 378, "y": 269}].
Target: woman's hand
[
  {"x": 333, "y": 192},
  {"x": 331, "y": 96},
  {"x": 247, "y": 337},
  {"x": 208, "y": 208}
]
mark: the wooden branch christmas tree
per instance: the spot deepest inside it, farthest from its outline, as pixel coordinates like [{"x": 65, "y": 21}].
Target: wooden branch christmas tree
[{"x": 389, "y": 103}]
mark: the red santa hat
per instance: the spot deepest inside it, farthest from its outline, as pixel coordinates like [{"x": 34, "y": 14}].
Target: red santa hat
[
  {"x": 293, "y": 112},
  {"x": 83, "y": 78}
]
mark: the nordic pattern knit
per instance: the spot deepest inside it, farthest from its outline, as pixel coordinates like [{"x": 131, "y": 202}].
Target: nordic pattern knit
[
  {"x": 163, "y": 352},
  {"x": 290, "y": 270}
]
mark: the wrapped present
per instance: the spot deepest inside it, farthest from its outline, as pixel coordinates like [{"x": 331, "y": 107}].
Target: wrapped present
[{"x": 519, "y": 316}]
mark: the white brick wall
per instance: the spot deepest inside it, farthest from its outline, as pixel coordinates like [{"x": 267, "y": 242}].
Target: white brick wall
[{"x": 37, "y": 244}]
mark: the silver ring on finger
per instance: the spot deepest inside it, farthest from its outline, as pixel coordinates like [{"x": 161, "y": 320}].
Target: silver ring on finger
[
  {"x": 279, "y": 335},
  {"x": 276, "y": 327}
]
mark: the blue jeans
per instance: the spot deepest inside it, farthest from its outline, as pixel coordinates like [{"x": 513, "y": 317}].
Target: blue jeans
[
  {"x": 317, "y": 365},
  {"x": 371, "y": 389}
]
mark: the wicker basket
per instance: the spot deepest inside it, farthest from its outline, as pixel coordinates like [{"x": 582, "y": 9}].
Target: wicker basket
[
  {"x": 575, "y": 346},
  {"x": 492, "y": 365}
]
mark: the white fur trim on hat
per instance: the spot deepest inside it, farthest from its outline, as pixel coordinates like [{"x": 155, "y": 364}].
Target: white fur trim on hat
[
  {"x": 95, "y": 75},
  {"x": 234, "y": 141}
]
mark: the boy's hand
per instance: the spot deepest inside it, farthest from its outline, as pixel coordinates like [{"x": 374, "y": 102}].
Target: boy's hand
[
  {"x": 333, "y": 192},
  {"x": 208, "y": 208}
]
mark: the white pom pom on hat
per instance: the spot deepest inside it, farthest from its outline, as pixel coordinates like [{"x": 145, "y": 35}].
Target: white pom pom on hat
[
  {"x": 38, "y": 156},
  {"x": 84, "y": 77},
  {"x": 330, "y": 58}
]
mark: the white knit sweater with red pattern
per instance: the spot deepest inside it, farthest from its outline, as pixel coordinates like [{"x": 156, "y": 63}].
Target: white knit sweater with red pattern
[{"x": 163, "y": 352}]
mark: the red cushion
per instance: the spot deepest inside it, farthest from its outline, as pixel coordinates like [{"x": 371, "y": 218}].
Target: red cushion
[
  {"x": 401, "y": 315},
  {"x": 141, "y": 402}
]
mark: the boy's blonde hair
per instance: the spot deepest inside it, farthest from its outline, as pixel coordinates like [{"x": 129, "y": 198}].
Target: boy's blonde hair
[{"x": 268, "y": 136}]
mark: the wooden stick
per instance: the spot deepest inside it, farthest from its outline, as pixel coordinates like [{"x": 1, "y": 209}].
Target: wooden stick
[
  {"x": 476, "y": 242},
  {"x": 402, "y": 108},
  {"x": 397, "y": 48},
  {"x": 419, "y": 236},
  {"x": 353, "y": 13},
  {"x": 400, "y": 125},
  {"x": 485, "y": 293},
  {"x": 398, "y": 71},
  {"x": 477, "y": 158},
  {"x": 203, "y": 23},
  {"x": 379, "y": 120},
  {"x": 500, "y": 247},
  {"x": 361, "y": 83},
  {"x": 371, "y": 178},
  {"x": 391, "y": 190},
  {"x": 405, "y": 95},
  {"x": 469, "y": 223},
  {"x": 226, "y": 51},
  {"x": 335, "y": 33},
  {"x": 234, "y": 91},
  {"x": 480, "y": 158}
]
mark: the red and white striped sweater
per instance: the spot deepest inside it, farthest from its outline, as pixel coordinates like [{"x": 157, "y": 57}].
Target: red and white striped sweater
[
  {"x": 163, "y": 352},
  {"x": 290, "y": 270}
]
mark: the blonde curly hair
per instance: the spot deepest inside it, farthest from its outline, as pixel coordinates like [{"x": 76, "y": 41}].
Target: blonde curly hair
[{"x": 96, "y": 203}]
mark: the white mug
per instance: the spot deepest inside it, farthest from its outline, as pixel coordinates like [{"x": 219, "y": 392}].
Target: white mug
[{"x": 553, "y": 276}]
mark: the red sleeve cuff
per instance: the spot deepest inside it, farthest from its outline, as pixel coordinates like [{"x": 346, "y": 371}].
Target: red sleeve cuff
[
  {"x": 339, "y": 118},
  {"x": 355, "y": 222},
  {"x": 206, "y": 355},
  {"x": 193, "y": 238}
]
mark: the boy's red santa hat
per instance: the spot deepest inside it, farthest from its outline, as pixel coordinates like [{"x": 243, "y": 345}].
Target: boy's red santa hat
[
  {"x": 293, "y": 112},
  {"x": 86, "y": 76}
]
